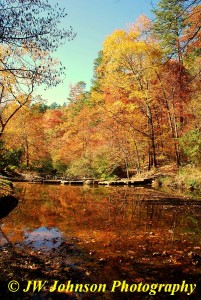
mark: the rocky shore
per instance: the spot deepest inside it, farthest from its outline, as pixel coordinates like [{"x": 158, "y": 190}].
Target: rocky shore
[{"x": 6, "y": 187}]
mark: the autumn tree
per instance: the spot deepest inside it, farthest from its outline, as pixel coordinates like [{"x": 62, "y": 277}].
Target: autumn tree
[
  {"x": 25, "y": 131},
  {"x": 111, "y": 154},
  {"x": 176, "y": 25},
  {"x": 172, "y": 93},
  {"x": 29, "y": 34},
  {"x": 129, "y": 64},
  {"x": 192, "y": 33}
]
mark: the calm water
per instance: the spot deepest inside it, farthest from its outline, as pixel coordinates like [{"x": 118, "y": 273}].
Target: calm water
[
  {"x": 118, "y": 226},
  {"x": 122, "y": 217}
]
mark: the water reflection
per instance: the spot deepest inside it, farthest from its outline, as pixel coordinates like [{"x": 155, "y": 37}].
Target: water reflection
[
  {"x": 43, "y": 238},
  {"x": 106, "y": 221}
]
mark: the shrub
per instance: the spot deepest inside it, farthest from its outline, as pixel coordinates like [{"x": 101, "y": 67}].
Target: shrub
[{"x": 9, "y": 159}]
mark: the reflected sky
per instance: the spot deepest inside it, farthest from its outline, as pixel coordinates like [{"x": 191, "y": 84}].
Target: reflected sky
[{"x": 43, "y": 238}]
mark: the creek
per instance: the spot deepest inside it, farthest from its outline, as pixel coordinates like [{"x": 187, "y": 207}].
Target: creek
[{"x": 108, "y": 233}]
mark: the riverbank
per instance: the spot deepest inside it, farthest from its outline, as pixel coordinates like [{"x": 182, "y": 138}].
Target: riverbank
[
  {"x": 6, "y": 187},
  {"x": 186, "y": 179}
]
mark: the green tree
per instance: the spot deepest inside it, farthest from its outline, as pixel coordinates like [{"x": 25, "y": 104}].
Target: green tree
[
  {"x": 191, "y": 145},
  {"x": 96, "y": 85},
  {"x": 9, "y": 158},
  {"x": 169, "y": 25},
  {"x": 78, "y": 97}
]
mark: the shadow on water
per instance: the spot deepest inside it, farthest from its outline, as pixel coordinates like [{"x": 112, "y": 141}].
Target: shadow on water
[
  {"x": 99, "y": 235},
  {"x": 7, "y": 204}
]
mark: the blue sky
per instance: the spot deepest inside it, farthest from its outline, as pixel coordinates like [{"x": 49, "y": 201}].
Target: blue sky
[{"x": 92, "y": 20}]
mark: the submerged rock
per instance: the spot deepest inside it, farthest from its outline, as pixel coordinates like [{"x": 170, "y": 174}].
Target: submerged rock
[{"x": 91, "y": 182}]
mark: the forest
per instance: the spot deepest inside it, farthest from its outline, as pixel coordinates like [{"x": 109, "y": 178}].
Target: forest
[
  {"x": 143, "y": 109},
  {"x": 63, "y": 223}
]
